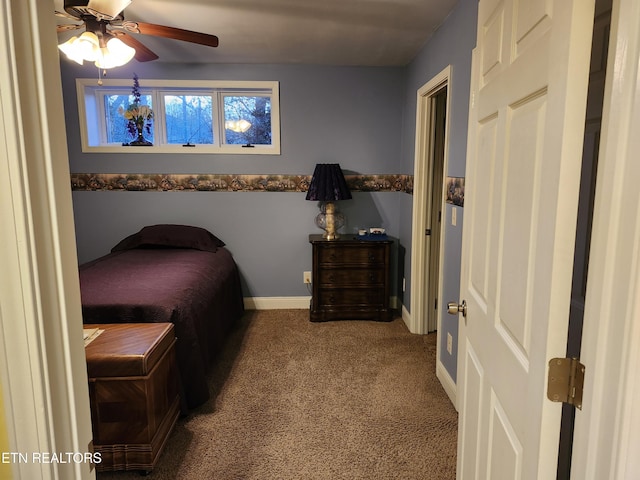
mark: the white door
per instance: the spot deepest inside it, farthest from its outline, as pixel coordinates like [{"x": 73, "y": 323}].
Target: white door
[{"x": 528, "y": 97}]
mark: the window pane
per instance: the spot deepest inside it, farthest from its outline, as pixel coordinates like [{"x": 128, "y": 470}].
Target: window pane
[
  {"x": 189, "y": 119},
  {"x": 117, "y": 131},
  {"x": 247, "y": 120}
]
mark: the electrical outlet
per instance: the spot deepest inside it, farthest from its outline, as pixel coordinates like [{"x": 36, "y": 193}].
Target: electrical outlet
[
  {"x": 449, "y": 343},
  {"x": 306, "y": 277}
]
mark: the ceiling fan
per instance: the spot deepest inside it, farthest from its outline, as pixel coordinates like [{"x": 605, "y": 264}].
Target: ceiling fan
[{"x": 104, "y": 22}]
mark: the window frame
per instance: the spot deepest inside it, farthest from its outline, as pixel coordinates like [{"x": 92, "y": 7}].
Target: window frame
[{"x": 91, "y": 95}]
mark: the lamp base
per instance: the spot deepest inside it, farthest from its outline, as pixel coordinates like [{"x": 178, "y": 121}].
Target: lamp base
[{"x": 330, "y": 220}]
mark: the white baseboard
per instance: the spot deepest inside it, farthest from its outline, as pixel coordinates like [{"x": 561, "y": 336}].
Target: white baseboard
[
  {"x": 447, "y": 383},
  {"x": 275, "y": 303},
  {"x": 441, "y": 373},
  {"x": 406, "y": 317}
]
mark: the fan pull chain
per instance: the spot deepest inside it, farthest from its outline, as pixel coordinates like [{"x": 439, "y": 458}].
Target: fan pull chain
[{"x": 101, "y": 74}]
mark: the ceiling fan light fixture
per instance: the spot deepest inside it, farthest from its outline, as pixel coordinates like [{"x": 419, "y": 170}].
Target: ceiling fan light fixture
[
  {"x": 106, "y": 9},
  {"x": 70, "y": 52},
  {"x": 88, "y": 46},
  {"x": 84, "y": 47},
  {"x": 114, "y": 54},
  {"x": 103, "y": 20}
]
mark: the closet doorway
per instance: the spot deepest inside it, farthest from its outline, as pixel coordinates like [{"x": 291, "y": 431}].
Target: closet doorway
[{"x": 428, "y": 201}]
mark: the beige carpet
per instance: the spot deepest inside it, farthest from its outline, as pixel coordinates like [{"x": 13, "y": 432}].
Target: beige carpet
[{"x": 293, "y": 399}]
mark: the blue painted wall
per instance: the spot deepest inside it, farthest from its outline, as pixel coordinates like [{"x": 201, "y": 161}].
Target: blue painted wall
[
  {"x": 451, "y": 44},
  {"x": 348, "y": 115}
]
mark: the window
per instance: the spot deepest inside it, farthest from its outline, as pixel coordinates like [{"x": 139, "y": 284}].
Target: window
[
  {"x": 247, "y": 119},
  {"x": 188, "y": 116},
  {"x": 116, "y": 127}
]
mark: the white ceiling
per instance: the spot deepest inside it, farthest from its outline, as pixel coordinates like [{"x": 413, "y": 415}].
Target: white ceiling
[{"x": 325, "y": 32}]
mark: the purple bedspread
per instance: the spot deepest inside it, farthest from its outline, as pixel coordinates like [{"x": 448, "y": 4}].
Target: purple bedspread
[{"x": 198, "y": 291}]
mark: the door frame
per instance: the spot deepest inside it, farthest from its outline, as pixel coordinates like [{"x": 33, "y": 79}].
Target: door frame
[
  {"x": 422, "y": 194},
  {"x": 607, "y": 429},
  {"x": 43, "y": 373}
]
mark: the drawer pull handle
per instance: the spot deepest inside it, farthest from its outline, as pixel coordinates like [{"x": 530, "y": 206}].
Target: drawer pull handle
[
  {"x": 332, "y": 278},
  {"x": 371, "y": 277}
]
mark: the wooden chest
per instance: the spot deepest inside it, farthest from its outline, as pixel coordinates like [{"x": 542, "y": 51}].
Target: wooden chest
[
  {"x": 350, "y": 279},
  {"x": 134, "y": 393}
]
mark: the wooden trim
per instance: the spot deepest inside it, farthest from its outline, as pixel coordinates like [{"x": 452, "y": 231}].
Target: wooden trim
[
  {"x": 447, "y": 382},
  {"x": 421, "y": 181},
  {"x": 42, "y": 365},
  {"x": 276, "y": 303},
  {"x": 607, "y": 429}
]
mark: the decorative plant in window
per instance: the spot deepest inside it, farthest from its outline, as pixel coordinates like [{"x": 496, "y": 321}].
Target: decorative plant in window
[{"x": 139, "y": 117}]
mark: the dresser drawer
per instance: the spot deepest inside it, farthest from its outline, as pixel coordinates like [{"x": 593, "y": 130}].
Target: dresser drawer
[
  {"x": 354, "y": 276},
  {"x": 351, "y": 297},
  {"x": 351, "y": 255}
]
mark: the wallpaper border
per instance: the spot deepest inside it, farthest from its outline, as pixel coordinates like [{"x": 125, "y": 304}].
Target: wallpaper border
[{"x": 171, "y": 182}]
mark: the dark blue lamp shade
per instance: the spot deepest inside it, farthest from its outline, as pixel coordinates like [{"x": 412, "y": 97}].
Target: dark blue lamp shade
[{"x": 327, "y": 186}]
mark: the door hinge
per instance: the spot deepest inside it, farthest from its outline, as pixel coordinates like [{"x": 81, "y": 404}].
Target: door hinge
[{"x": 566, "y": 381}]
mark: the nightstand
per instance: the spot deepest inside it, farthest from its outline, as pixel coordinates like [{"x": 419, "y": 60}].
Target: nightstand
[{"x": 350, "y": 279}]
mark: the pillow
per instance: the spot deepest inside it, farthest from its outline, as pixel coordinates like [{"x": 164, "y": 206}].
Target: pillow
[{"x": 171, "y": 236}]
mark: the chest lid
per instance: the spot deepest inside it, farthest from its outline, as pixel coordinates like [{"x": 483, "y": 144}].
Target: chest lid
[{"x": 127, "y": 349}]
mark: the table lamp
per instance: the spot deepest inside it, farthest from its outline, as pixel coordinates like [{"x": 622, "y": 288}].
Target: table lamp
[{"x": 328, "y": 185}]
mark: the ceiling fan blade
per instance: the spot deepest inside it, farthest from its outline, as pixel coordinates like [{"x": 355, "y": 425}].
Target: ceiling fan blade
[
  {"x": 177, "y": 34},
  {"x": 65, "y": 15},
  {"x": 143, "y": 54},
  {"x": 66, "y": 27}
]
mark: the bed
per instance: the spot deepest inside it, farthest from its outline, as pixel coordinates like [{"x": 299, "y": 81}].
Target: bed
[{"x": 169, "y": 273}]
